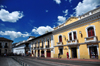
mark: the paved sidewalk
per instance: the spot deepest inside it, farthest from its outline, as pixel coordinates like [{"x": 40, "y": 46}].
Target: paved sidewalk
[
  {"x": 6, "y": 61},
  {"x": 73, "y": 59},
  {"x": 93, "y": 60}
]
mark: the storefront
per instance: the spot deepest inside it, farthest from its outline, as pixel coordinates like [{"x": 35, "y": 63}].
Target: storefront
[
  {"x": 93, "y": 51},
  {"x": 74, "y": 52}
]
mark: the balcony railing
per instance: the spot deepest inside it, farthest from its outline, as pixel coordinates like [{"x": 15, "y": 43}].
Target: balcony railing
[
  {"x": 41, "y": 46},
  {"x": 47, "y": 46},
  {"x": 59, "y": 43},
  {"x": 91, "y": 39},
  {"x": 72, "y": 41}
]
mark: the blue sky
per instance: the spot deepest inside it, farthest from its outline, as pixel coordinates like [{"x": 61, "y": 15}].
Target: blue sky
[{"x": 20, "y": 19}]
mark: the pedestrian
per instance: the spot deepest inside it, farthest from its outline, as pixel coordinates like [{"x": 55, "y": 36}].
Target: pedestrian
[
  {"x": 58, "y": 55},
  {"x": 67, "y": 55}
]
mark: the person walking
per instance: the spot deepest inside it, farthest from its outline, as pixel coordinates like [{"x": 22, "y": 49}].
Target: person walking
[
  {"x": 67, "y": 55},
  {"x": 58, "y": 55}
]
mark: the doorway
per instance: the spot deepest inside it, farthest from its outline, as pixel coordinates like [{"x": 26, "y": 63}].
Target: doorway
[
  {"x": 93, "y": 52},
  {"x": 38, "y": 53},
  {"x": 42, "y": 53},
  {"x": 74, "y": 52},
  {"x": 48, "y": 53}
]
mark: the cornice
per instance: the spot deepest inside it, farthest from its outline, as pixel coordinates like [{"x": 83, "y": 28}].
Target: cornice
[{"x": 79, "y": 22}]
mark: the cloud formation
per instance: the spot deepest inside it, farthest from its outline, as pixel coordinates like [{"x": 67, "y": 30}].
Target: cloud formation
[
  {"x": 58, "y": 1},
  {"x": 61, "y": 20},
  {"x": 66, "y": 12},
  {"x": 5, "y": 16},
  {"x": 85, "y": 6},
  {"x": 46, "y": 10},
  {"x": 2, "y": 6},
  {"x": 70, "y": 1},
  {"x": 42, "y": 30},
  {"x": 14, "y": 34}
]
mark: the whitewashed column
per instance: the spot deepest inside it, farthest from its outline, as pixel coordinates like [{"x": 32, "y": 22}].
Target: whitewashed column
[
  {"x": 69, "y": 52},
  {"x": 78, "y": 52}
]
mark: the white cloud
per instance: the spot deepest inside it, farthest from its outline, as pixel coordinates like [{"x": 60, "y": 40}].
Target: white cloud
[
  {"x": 85, "y": 6},
  {"x": 42, "y": 30},
  {"x": 58, "y": 1},
  {"x": 14, "y": 34},
  {"x": 61, "y": 19},
  {"x": 66, "y": 12},
  {"x": 46, "y": 11},
  {"x": 70, "y": 1},
  {"x": 2, "y": 6},
  {"x": 10, "y": 17}
]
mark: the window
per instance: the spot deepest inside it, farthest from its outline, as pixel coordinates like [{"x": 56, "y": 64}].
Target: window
[
  {"x": 60, "y": 38},
  {"x": 90, "y": 31},
  {"x": 72, "y": 35},
  {"x": 61, "y": 50},
  {"x": 5, "y": 45},
  {"x": 48, "y": 43},
  {"x": 42, "y": 44}
]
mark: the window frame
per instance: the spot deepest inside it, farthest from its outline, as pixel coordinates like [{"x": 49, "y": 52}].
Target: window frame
[
  {"x": 72, "y": 34},
  {"x": 89, "y": 27},
  {"x": 59, "y": 39}
]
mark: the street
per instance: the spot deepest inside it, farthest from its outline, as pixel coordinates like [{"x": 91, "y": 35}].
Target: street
[{"x": 56, "y": 62}]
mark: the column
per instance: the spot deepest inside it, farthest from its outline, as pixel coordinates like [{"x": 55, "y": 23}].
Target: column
[
  {"x": 78, "y": 52},
  {"x": 69, "y": 52}
]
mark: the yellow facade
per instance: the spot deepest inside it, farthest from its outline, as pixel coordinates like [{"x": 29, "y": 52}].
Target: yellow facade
[{"x": 83, "y": 41}]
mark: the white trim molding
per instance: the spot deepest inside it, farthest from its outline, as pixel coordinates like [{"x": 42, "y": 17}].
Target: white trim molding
[
  {"x": 73, "y": 41},
  {"x": 58, "y": 37},
  {"x": 86, "y": 29},
  {"x": 94, "y": 38}
]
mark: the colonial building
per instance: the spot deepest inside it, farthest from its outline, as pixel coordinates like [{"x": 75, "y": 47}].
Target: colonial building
[
  {"x": 5, "y": 46},
  {"x": 79, "y": 36},
  {"x": 23, "y": 47},
  {"x": 42, "y": 46}
]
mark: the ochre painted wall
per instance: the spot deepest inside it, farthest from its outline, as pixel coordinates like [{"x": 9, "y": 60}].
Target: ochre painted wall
[{"x": 83, "y": 50}]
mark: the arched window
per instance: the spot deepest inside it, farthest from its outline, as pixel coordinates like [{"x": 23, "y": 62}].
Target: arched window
[
  {"x": 90, "y": 31},
  {"x": 60, "y": 38}
]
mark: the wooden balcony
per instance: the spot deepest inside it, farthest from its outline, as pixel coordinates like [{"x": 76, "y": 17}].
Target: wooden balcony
[
  {"x": 59, "y": 43},
  {"x": 91, "y": 39},
  {"x": 72, "y": 41},
  {"x": 47, "y": 46}
]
